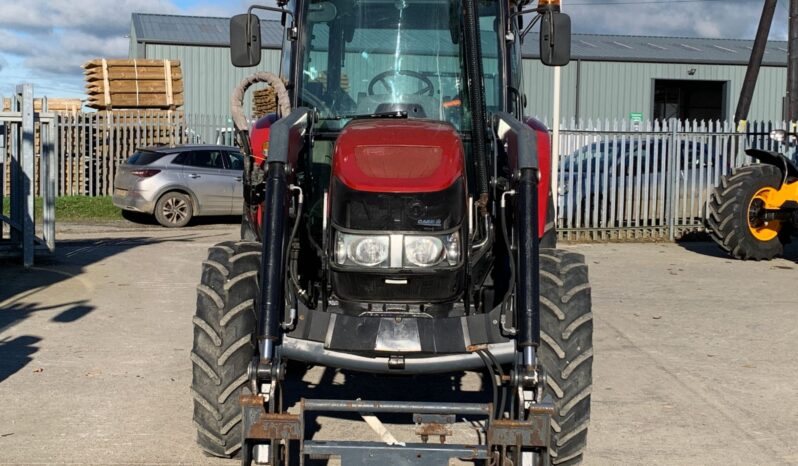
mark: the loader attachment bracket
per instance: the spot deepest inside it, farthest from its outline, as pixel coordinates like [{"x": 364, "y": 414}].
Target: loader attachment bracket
[{"x": 432, "y": 419}]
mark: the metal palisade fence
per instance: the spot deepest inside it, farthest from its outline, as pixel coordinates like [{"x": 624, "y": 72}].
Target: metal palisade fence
[
  {"x": 617, "y": 180},
  {"x": 635, "y": 180}
]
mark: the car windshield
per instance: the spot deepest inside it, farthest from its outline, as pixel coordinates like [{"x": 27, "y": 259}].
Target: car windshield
[
  {"x": 377, "y": 57},
  {"x": 588, "y": 154}
]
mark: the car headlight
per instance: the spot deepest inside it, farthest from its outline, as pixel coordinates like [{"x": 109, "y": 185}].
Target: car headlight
[{"x": 367, "y": 251}]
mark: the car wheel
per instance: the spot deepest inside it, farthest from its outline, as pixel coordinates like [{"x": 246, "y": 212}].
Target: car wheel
[{"x": 174, "y": 210}]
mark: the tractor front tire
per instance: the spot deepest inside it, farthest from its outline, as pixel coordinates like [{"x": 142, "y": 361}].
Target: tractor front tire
[
  {"x": 728, "y": 212},
  {"x": 549, "y": 239},
  {"x": 566, "y": 351},
  {"x": 224, "y": 343}
]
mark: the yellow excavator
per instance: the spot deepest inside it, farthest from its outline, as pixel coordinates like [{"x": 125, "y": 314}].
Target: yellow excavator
[{"x": 753, "y": 212}]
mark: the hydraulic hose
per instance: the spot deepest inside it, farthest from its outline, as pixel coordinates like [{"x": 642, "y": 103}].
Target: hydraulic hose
[
  {"x": 237, "y": 99},
  {"x": 527, "y": 304},
  {"x": 473, "y": 47}
]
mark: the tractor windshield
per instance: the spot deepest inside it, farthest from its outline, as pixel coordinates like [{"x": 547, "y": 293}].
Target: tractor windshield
[{"x": 375, "y": 57}]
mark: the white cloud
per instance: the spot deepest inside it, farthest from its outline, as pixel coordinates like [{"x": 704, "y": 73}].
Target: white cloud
[
  {"x": 732, "y": 20},
  {"x": 55, "y": 37},
  {"x": 46, "y": 41}
]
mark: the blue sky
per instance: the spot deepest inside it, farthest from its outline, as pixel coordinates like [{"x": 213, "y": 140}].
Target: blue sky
[{"x": 46, "y": 41}]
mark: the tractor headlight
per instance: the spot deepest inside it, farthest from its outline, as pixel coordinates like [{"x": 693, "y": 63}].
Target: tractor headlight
[
  {"x": 409, "y": 250},
  {"x": 362, "y": 250},
  {"x": 452, "y": 243},
  {"x": 423, "y": 251},
  {"x": 426, "y": 251}
]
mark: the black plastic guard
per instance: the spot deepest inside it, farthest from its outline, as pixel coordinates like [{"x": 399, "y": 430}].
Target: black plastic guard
[
  {"x": 393, "y": 335},
  {"x": 788, "y": 169},
  {"x": 285, "y": 135},
  {"x": 521, "y": 141}
]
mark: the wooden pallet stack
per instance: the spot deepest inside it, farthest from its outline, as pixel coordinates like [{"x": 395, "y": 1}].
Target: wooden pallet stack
[
  {"x": 134, "y": 84},
  {"x": 264, "y": 102},
  {"x": 54, "y": 104}
]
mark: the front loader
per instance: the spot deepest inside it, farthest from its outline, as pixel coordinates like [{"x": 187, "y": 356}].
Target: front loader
[{"x": 397, "y": 222}]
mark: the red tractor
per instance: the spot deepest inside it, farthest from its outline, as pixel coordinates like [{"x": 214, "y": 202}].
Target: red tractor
[{"x": 398, "y": 221}]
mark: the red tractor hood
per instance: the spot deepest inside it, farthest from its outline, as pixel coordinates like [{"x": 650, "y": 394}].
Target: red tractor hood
[{"x": 398, "y": 156}]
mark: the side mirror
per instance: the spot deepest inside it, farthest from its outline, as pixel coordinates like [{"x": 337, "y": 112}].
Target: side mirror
[
  {"x": 245, "y": 48},
  {"x": 555, "y": 39}
]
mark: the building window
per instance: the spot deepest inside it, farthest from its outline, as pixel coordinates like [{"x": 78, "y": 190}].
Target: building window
[{"x": 689, "y": 100}]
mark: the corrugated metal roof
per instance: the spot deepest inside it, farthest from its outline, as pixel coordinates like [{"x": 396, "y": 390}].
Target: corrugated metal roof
[
  {"x": 210, "y": 31},
  {"x": 667, "y": 49},
  {"x": 196, "y": 30}
]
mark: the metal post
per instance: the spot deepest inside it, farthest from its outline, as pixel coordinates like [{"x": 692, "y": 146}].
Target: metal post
[
  {"x": 672, "y": 181},
  {"x": 15, "y": 173},
  {"x": 792, "y": 65},
  {"x": 3, "y": 132},
  {"x": 26, "y": 185},
  {"x": 48, "y": 176},
  {"x": 555, "y": 138}
]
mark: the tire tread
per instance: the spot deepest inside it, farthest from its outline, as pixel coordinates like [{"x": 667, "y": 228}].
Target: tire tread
[{"x": 224, "y": 343}]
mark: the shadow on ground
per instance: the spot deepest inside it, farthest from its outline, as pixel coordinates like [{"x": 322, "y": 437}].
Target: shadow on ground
[
  {"x": 711, "y": 249},
  {"x": 144, "y": 219},
  {"x": 345, "y": 385},
  {"x": 70, "y": 260}
]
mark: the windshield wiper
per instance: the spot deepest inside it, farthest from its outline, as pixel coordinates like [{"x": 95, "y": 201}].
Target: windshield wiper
[{"x": 397, "y": 114}]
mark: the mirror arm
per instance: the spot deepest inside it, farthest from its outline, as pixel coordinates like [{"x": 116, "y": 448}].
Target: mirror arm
[
  {"x": 267, "y": 8},
  {"x": 530, "y": 25},
  {"x": 270, "y": 8},
  {"x": 523, "y": 12}
]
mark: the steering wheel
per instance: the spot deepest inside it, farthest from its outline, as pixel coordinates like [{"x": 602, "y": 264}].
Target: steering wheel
[
  {"x": 380, "y": 78},
  {"x": 315, "y": 101}
]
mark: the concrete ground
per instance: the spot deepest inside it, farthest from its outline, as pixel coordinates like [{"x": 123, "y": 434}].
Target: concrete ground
[{"x": 694, "y": 355}]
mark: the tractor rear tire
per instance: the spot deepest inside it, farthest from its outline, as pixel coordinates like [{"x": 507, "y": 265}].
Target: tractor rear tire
[
  {"x": 566, "y": 351},
  {"x": 224, "y": 343},
  {"x": 728, "y": 214}
]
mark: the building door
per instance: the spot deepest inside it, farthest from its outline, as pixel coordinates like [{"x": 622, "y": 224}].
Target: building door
[{"x": 689, "y": 100}]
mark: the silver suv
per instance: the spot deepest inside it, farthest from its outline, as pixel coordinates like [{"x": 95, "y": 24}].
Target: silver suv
[{"x": 177, "y": 183}]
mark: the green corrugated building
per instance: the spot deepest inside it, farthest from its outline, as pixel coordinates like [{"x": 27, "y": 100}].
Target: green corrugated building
[{"x": 609, "y": 77}]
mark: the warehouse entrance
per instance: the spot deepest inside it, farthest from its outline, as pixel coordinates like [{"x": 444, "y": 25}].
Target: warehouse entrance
[{"x": 689, "y": 100}]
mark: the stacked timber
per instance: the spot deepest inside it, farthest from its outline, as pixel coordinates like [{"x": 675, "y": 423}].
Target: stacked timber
[
  {"x": 264, "y": 102},
  {"x": 54, "y": 104},
  {"x": 134, "y": 84}
]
